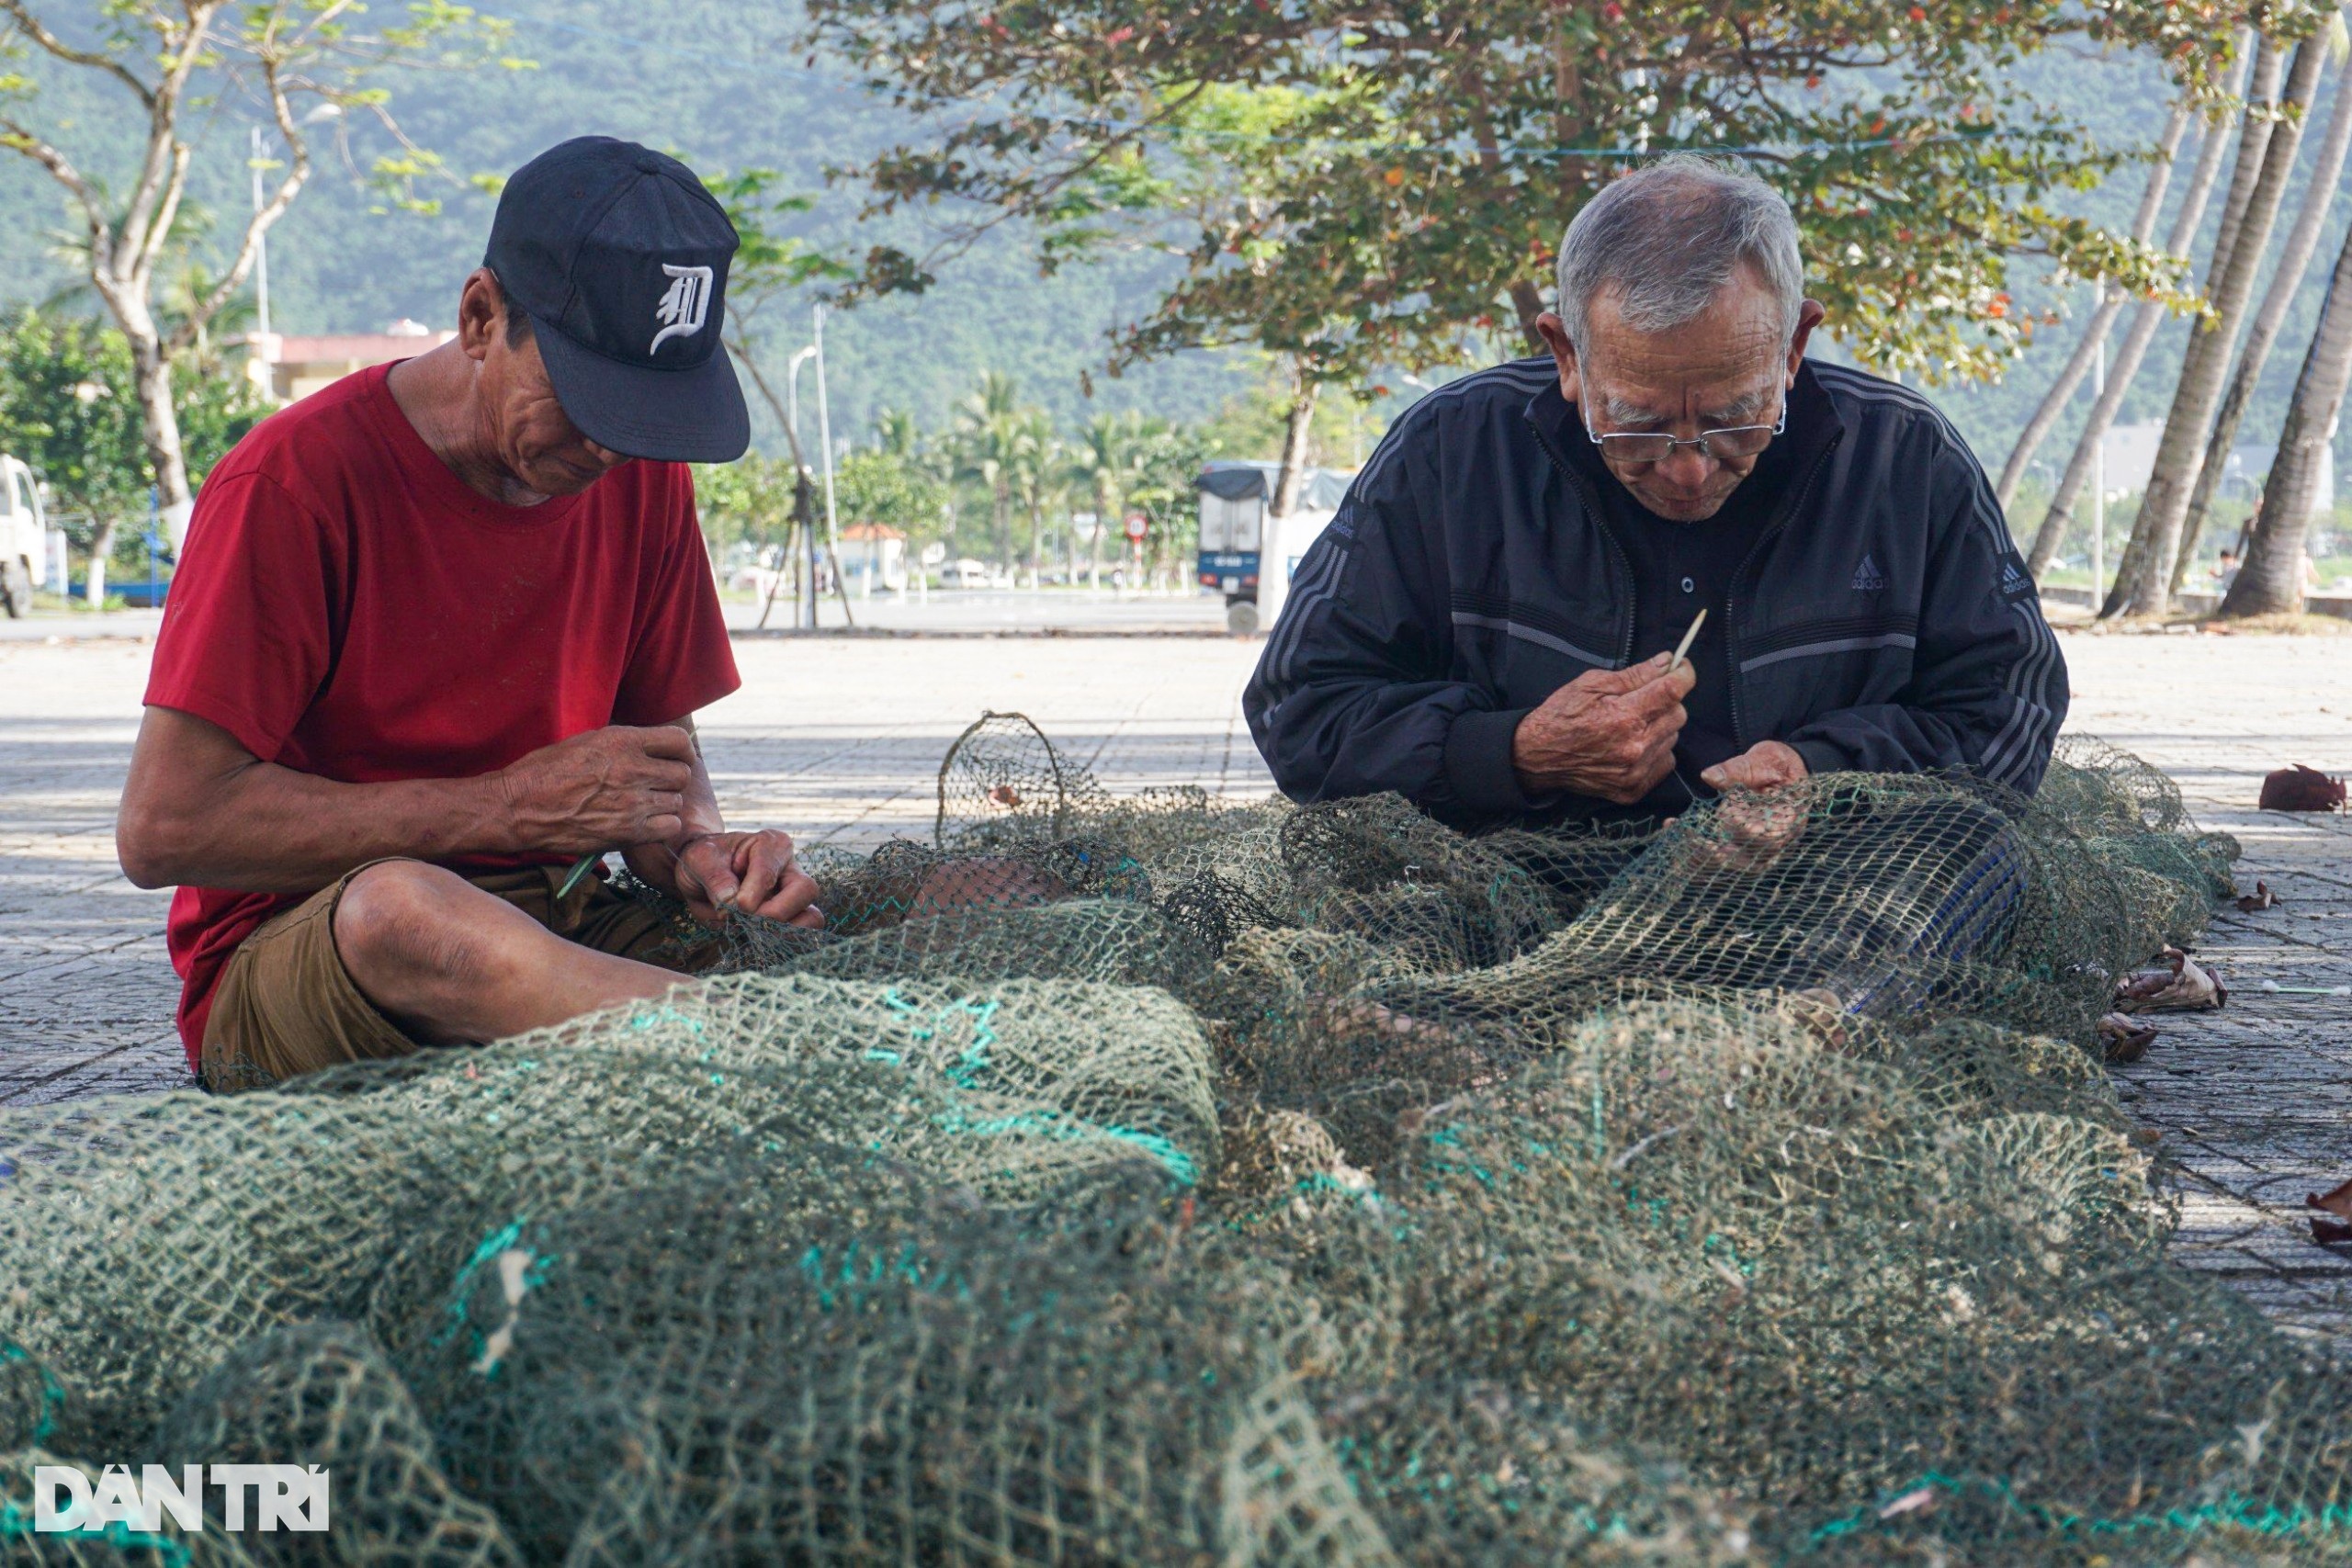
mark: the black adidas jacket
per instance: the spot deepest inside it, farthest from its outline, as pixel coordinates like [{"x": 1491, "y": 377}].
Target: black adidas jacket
[{"x": 1882, "y": 622}]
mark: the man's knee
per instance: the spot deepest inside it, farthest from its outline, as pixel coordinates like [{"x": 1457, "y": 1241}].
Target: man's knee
[{"x": 403, "y": 916}]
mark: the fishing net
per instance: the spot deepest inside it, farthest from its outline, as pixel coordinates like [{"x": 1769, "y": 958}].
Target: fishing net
[{"x": 1164, "y": 1180}]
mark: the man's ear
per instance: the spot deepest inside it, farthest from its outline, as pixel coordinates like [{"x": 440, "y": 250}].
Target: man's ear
[
  {"x": 481, "y": 313},
  {"x": 1564, "y": 353},
  {"x": 1809, "y": 315}
]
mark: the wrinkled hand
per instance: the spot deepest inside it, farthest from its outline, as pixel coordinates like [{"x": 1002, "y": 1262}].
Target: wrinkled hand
[
  {"x": 1765, "y": 766},
  {"x": 1756, "y": 826},
  {"x": 1607, "y": 733},
  {"x": 619, "y": 786},
  {"x": 754, "y": 873}
]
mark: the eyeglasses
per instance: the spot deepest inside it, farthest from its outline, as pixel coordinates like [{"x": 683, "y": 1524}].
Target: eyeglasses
[{"x": 1653, "y": 446}]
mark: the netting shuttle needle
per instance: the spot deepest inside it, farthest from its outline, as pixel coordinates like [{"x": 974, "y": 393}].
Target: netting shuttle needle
[
  {"x": 1688, "y": 638},
  {"x": 581, "y": 867}
]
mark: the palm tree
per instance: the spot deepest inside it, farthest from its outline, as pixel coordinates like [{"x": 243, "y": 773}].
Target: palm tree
[
  {"x": 2110, "y": 305},
  {"x": 1109, "y": 460},
  {"x": 2286, "y": 283},
  {"x": 985, "y": 443},
  {"x": 895, "y": 433},
  {"x": 2272, "y": 577},
  {"x": 2144, "y": 581},
  {"x": 1035, "y": 473},
  {"x": 2125, "y": 366}
]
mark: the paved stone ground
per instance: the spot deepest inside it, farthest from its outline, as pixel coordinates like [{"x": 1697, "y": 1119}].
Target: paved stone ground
[
  {"x": 839, "y": 740},
  {"x": 2254, "y": 1102}
]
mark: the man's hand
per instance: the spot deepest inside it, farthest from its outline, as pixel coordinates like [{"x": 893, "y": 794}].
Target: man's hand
[
  {"x": 1766, "y": 765},
  {"x": 1755, "y": 826},
  {"x": 612, "y": 787},
  {"x": 751, "y": 871},
  {"x": 1607, "y": 733}
]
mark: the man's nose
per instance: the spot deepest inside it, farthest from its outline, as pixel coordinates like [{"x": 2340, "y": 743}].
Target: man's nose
[{"x": 1688, "y": 469}]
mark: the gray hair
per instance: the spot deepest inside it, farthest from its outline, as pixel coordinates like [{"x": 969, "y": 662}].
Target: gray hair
[{"x": 1668, "y": 236}]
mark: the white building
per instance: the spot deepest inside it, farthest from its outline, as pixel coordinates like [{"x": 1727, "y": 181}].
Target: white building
[
  {"x": 286, "y": 369},
  {"x": 873, "y": 555}
]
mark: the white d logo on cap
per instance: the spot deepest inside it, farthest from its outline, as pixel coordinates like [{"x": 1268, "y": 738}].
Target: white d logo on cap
[{"x": 682, "y": 304}]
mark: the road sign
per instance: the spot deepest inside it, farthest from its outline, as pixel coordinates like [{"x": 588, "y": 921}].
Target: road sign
[{"x": 1136, "y": 526}]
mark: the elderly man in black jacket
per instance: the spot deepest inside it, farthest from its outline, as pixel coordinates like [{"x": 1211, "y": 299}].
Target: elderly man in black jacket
[{"x": 1484, "y": 627}]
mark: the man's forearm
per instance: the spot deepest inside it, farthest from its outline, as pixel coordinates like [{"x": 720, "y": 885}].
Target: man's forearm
[
  {"x": 265, "y": 828},
  {"x": 199, "y": 809}
]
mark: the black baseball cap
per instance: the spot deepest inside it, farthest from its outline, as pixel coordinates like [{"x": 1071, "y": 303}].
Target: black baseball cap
[{"x": 618, "y": 255}]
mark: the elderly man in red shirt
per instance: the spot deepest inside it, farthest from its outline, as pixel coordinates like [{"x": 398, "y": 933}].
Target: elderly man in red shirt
[{"x": 441, "y": 630}]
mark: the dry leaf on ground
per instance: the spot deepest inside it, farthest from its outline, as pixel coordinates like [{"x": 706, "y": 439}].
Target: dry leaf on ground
[
  {"x": 2182, "y": 985},
  {"x": 2125, "y": 1038}
]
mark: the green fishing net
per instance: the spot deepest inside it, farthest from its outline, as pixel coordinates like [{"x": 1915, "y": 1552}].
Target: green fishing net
[{"x": 1159, "y": 1179}]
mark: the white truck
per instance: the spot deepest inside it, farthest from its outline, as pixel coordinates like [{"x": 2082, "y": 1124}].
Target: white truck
[
  {"x": 28, "y": 556},
  {"x": 1237, "y": 557}
]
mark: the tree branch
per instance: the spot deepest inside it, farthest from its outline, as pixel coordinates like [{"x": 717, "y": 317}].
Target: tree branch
[
  {"x": 201, "y": 311},
  {"x": 28, "y": 24},
  {"x": 163, "y": 173},
  {"x": 13, "y": 133}
]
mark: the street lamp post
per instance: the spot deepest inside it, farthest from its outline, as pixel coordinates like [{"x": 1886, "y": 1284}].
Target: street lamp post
[
  {"x": 320, "y": 114},
  {"x": 825, "y": 440}
]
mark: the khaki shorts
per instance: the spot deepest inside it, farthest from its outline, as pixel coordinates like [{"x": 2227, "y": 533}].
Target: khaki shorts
[{"x": 286, "y": 1005}]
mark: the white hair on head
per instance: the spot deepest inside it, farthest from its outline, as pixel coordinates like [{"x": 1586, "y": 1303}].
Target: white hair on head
[{"x": 1668, "y": 236}]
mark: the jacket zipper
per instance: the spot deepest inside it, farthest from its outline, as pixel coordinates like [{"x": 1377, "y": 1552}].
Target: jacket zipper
[
  {"x": 1591, "y": 504},
  {"x": 1731, "y": 592}
]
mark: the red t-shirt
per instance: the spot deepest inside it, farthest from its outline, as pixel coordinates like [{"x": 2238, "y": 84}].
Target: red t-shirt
[{"x": 346, "y": 606}]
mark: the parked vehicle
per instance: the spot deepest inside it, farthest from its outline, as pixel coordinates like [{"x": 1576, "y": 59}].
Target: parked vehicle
[
  {"x": 23, "y": 539},
  {"x": 1234, "y": 558},
  {"x": 965, "y": 572}
]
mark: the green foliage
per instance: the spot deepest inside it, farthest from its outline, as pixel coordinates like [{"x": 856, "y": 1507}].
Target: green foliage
[
  {"x": 897, "y": 489},
  {"x": 998, "y": 481},
  {"x": 68, "y": 408},
  {"x": 1162, "y": 489},
  {"x": 1345, "y": 428},
  {"x": 1370, "y": 185},
  {"x": 749, "y": 498},
  {"x": 767, "y": 262},
  {"x": 990, "y": 445}
]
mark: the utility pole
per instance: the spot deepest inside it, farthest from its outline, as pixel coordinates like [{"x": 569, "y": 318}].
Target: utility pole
[{"x": 261, "y": 246}]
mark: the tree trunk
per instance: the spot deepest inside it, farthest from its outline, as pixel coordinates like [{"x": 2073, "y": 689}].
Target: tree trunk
[
  {"x": 1295, "y": 427},
  {"x": 1002, "y": 495},
  {"x": 2126, "y": 365},
  {"x": 1107, "y": 508},
  {"x": 804, "y": 516},
  {"x": 2079, "y": 365},
  {"x": 2254, "y": 141},
  {"x": 101, "y": 551},
  {"x": 2272, "y": 576},
  {"x": 2286, "y": 282},
  {"x": 158, "y": 428},
  {"x": 2144, "y": 586}
]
